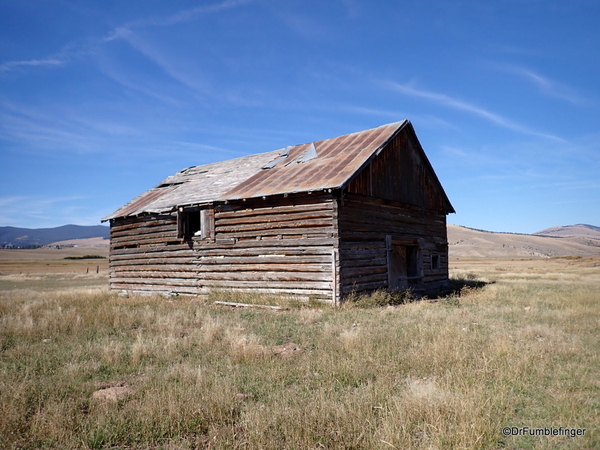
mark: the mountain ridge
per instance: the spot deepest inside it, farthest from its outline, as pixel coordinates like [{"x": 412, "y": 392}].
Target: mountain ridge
[
  {"x": 15, "y": 237},
  {"x": 570, "y": 240},
  {"x": 580, "y": 229}
]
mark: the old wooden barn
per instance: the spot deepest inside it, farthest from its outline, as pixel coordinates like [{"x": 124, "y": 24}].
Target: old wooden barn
[{"x": 353, "y": 213}]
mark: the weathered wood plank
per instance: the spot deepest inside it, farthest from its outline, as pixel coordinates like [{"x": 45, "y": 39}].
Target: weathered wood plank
[
  {"x": 248, "y": 209},
  {"x": 259, "y": 258},
  {"x": 363, "y": 253},
  {"x": 264, "y": 267},
  {"x": 145, "y": 260},
  {"x": 265, "y": 227},
  {"x": 143, "y": 231},
  {"x": 165, "y": 251},
  {"x": 269, "y": 243},
  {"x": 360, "y": 262},
  {"x": 265, "y": 276},
  {"x": 268, "y": 253},
  {"x": 154, "y": 289},
  {"x": 156, "y": 281},
  {"x": 157, "y": 238},
  {"x": 148, "y": 220},
  {"x": 323, "y": 294},
  {"x": 274, "y": 232},
  {"x": 260, "y": 284},
  {"x": 148, "y": 274},
  {"x": 155, "y": 267},
  {"x": 276, "y": 216},
  {"x": 358, "y": 272}
]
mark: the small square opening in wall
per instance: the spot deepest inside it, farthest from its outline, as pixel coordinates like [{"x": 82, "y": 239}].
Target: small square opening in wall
[
  {"x": 188, "y": 224},
  {"x": 435, "y": 262},
  {"x": 196, "y": 223}
]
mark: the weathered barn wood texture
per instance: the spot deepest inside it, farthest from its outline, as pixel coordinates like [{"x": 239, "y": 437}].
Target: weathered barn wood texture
[
  {"x": 146, "y": 255},
  {"x": 355, "y": 213},
  {"x": 270, "y": 246},
  {"x": 364, "y": 227}
]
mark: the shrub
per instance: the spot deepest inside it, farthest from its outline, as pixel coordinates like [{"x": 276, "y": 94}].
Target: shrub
[{"x": 380, "y": 298}]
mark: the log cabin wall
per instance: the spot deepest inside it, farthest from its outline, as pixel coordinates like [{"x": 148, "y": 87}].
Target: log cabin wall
[
  {"x": 278, "y": 245},
  {"x": 364, "y": 226},
  {"x": 393, "y": 200},
  {"x": 147, "y": 256}
]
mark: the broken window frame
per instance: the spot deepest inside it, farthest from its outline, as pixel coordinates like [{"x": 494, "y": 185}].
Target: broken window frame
[{"x": 195, "y": 222}]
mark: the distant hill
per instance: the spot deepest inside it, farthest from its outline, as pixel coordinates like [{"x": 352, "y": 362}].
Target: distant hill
[
  {"x": 12, "y": 237},
  {"x": 571, "y": 230},
  {"x": 572, "y": 240}
]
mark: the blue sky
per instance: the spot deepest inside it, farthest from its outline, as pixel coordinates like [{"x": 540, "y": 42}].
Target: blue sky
[{"x": 101, "y": 100}]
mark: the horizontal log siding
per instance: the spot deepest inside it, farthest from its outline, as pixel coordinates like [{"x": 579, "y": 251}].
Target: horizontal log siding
[
  {"x": 364, "y": 223},
  {"x": 279, "y": 246},
  {"x": 147, "y": 256}
]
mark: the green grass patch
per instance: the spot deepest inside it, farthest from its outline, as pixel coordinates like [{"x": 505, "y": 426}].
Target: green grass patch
[{"x": 85, "y": 257}]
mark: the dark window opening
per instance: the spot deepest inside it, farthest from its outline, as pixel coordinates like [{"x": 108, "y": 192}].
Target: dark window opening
[
  {"x": 196, "y": 223},
  {"x": 435, "y": 262},
  {"x": 412, "y": 260},
  {"x": 188, "y": 224}
]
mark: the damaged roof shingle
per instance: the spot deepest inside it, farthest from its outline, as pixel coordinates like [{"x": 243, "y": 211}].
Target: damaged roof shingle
[{"x": 326, "y": 164}]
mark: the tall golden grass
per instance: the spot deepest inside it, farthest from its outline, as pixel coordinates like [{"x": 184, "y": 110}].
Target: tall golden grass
[{"x": 87, "y": 369}]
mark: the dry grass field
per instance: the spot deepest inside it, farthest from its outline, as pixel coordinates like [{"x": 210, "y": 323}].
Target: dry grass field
[
  {"x": 47, "y": 268},
  {"x": 84, "y": 368},
  {"x": 582, "y": 240}
]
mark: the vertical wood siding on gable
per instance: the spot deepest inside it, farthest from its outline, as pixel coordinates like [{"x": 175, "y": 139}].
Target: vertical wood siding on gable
[{"x": 399, "y": 174}]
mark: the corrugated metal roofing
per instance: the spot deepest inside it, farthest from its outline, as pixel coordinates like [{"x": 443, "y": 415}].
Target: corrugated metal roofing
[
  {"x": 326, "y": 164},
  {"x": 337, "y": 160}
]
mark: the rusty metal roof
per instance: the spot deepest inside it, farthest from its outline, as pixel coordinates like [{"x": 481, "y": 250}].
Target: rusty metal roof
[
  {"x": 336, "y": 161},
  {"x": 326, "y": 164}
]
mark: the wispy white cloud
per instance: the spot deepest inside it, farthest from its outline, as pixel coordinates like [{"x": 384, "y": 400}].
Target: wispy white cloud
[
  {"x": 544, "y": 84},
  {"x": 79, "y": 49},
  {"x": 66, "y": 131},
  {"x": 192, "y": 80},
  {"x": 46, "y": 62},
  {"x": 41, "y": 130},
  {"x": 191, "y": 14},
  {"x": 182, "y": 16},
  {"x": 71, "y": 50},
  {"x": 367, "y": 111},
  {"x": 456, "y": 152},
  {"x": 12, "y": 200},
  {"x": 189, "y": 78},
  {"x": 451, "y": 102},
  {"x": 427, "y": 120}
]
